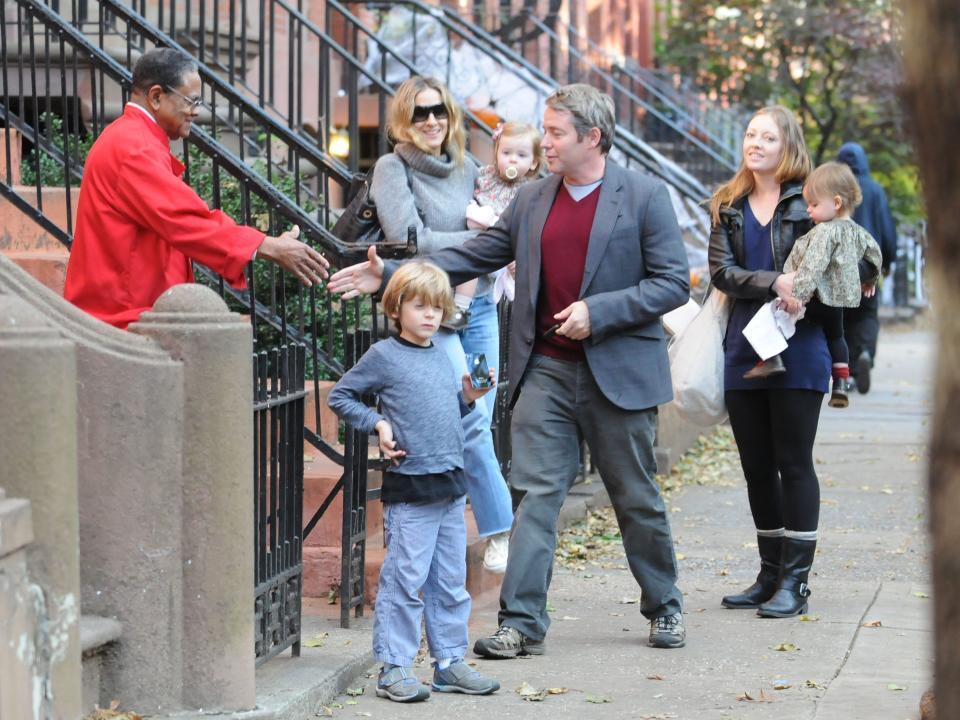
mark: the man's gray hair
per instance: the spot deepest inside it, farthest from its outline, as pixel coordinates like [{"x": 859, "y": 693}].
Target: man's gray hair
[{"x": 590, "y": 109}]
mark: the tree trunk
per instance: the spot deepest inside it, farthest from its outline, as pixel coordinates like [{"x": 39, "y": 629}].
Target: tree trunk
[{"x": 932, "y": 78}]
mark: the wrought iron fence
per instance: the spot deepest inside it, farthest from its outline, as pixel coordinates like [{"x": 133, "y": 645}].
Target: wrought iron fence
[{"x": 278, "y": 408}]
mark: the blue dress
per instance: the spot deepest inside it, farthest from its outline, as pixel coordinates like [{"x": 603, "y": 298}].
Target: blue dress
[{"x": 807, "y": 358}]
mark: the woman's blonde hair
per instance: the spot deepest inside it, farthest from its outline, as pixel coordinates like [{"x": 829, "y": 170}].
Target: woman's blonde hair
[
  {"x": 834, "y": 179},
  {"x": 519, "y": 129},
  {"x": 418, "y": 279},
  {"x": 794, "y": 163},
  {"x": 400, "y": 127}
]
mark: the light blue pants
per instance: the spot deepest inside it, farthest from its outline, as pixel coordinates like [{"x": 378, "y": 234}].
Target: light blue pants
[
  {"x": 488, "y": 491},
  {"x": 426, "y": 551}
]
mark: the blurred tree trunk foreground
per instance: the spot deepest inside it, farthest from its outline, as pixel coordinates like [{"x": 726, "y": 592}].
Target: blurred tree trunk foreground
[{"x": 931, "y": 89}]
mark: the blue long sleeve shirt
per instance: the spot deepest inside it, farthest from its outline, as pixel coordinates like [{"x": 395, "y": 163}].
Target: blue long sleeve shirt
[{"x": 419, "y": 397}]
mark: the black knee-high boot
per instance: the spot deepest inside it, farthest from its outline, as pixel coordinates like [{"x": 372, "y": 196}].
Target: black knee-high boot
[
  {"x": 792, "y": 592},
  {"x": 762, "y": 590}
]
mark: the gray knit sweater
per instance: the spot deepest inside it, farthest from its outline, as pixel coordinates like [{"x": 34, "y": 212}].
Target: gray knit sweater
[{"x": 441, "y": 191}]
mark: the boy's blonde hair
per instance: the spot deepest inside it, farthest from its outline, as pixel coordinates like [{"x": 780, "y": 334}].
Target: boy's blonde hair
[
  {"x": 834, "y": 179},
  {"x": 400, "y": 127},
  {"x": 520, "y": 129},
  {"x": 418, "y": 279},
  {"x": 794, "y": 164}
]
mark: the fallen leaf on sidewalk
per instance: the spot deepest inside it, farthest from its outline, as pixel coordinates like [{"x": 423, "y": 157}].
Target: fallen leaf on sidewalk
[
  {"x": 764, "y": 698},
  {"x": 527, "y": 692},
  {"x": 655, "y": 677},
  {"x": 781, "y": 685},
  {"x": 353, "y": 692},
  {"x": 557, "y": 691},
  {"x": 350, "y": 702},
  {"x": 921, "y": 595},
  {"x": 895, "y": 688},
  {"x": 568, "y": 617},
  {"x": 786, "y": 647},
  {"x": 745, "y": 696},
  {"x": 809, "y": 618},
  {"x": 724, "y": 572},
  {"x": 316, "y": 641},
  {"x": 813, "y": 684},
  {"x": 629, "y": 601},
  {"x": 887, "y": 491},
  {"x": 873, "y": 624},
  {"x": 681, "y": 556},
  {"x": 324, "y": 711},
  {"x": 596, "y": 700}
]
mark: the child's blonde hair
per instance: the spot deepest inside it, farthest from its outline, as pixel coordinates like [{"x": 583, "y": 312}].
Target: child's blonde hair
[
  {"x": 418, "y": 279},
  {"x": 520, "y": 129},
  {"x": 834, "y": 179}
]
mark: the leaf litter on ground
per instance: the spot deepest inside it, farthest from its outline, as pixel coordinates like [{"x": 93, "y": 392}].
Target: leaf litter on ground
[{"x": 713, "y": 460}]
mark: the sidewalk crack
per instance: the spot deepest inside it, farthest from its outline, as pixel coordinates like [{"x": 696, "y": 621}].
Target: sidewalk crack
[{"x": 846, "y": 656}]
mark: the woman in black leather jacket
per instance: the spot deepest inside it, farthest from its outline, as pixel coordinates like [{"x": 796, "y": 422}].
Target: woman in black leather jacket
[{"x": 756, "y": 218}]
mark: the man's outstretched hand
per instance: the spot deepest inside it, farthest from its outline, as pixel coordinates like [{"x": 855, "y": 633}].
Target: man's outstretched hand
[
  {"x": 294, "y": 256},
  {"x": 360, "y": 279}
]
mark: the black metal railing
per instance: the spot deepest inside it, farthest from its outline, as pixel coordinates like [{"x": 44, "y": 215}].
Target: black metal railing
[
  {"x": 61, "y": 86},
  {"x": 278, "y": 408}
]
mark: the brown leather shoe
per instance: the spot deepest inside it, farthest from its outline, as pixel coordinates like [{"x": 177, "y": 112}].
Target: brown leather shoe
[{"x": 766, "y": 368}]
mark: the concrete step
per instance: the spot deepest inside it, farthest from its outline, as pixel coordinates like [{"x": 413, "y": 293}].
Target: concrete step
[
  {"x": 49, "y": 268},
  {"x": 99, "y": 637}
]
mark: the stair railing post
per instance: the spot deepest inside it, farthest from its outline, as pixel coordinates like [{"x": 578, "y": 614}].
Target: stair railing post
[{"x": 193, "y": 324}]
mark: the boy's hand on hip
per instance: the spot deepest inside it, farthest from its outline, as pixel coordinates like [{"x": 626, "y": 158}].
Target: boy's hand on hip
[
  {"x": 388, "y": 446},
  {"x": 470, "y": 393},
  {"x": 575, "y": 319}
]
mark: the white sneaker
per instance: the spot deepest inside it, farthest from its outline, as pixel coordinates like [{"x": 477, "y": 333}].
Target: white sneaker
[{"x": 495, "y": 556}]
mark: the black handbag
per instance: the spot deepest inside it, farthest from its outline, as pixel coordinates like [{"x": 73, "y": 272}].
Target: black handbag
[{"x": 359, "y": 224}]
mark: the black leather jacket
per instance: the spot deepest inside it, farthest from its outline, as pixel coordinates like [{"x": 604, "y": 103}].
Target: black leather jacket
[{"x": 726, "y": 254}]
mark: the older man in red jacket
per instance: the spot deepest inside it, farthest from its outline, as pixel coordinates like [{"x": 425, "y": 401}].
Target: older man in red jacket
[{"x": 139, "y": 225}]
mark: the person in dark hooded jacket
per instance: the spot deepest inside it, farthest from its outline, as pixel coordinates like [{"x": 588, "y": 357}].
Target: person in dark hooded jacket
[{"x": 862, "y": 325}]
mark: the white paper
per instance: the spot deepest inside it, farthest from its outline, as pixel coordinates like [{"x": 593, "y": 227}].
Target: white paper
[{"x": 764, "y": 334}]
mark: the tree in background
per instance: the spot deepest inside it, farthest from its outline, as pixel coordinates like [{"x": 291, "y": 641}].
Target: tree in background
[{"x": 837, "y": 63}]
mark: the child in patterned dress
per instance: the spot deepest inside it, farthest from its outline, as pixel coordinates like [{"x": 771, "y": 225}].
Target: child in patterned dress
[{"x": 825, "y": 267}]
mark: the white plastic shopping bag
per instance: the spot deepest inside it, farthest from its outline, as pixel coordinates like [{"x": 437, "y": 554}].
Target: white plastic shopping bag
[{"x": 696, "y": 363}]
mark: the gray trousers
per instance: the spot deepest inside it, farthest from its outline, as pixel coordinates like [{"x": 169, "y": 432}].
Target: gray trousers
[{"x": 558, "y": 400}]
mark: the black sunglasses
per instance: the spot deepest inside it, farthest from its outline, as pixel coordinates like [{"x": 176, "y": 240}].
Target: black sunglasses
[{"x": 422, "y": 112}]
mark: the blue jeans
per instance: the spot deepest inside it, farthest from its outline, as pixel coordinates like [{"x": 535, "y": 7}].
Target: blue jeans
[
  {"x": 426, "y": 550},
  {"x": 489, "y": 495}
]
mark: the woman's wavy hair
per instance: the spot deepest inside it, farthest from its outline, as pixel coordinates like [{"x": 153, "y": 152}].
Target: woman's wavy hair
[
  {"x": 400, "y": 127},
  {"x": 794, "y": 164}
]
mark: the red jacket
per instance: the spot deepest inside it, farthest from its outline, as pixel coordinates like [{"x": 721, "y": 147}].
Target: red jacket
[{"x": 139, "y": 226}]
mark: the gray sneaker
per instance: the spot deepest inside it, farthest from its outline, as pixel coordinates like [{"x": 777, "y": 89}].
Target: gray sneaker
[
  {"x": 401, "y": 685},
  {"x": 508, "y": 642},
  {"x": 461, "y": 678},
  {"x": 668, "y": 631}
]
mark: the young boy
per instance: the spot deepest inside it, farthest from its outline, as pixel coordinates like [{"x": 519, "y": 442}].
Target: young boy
[{"x": 424, "y": 491}]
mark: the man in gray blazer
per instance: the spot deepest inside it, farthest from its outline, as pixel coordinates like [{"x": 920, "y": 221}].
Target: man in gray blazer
[{"x": 599, "y": 261}]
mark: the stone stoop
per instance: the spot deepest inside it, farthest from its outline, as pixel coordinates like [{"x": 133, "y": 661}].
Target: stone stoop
[{"x": 98, "y": 638}]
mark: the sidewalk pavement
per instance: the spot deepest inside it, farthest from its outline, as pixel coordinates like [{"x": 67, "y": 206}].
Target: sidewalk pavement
[{"x": 862, "y": 651}]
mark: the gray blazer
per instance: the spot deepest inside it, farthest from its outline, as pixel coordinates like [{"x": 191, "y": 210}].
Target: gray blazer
[{"x": 636, "y": 270}]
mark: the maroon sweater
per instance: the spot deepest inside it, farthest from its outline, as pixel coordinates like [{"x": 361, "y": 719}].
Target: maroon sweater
[{"x": 563, "y": 254}]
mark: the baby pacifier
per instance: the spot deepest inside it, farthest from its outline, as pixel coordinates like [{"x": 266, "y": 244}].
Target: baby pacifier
[{"x": 511, "y": 173}]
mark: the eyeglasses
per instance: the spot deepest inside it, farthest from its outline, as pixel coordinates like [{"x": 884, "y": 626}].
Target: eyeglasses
[
  {"x": 192, "y": 103},
  {"x": 422, "y": 112}
]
